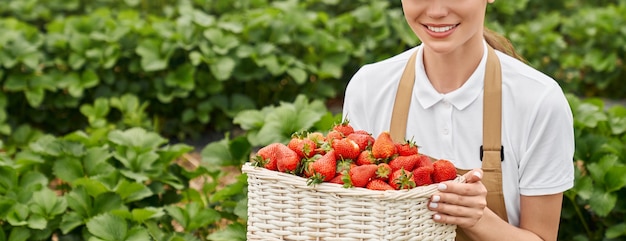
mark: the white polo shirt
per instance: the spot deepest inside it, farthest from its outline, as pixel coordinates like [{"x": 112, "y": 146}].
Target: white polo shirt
[{"x": 537, "y": 123}]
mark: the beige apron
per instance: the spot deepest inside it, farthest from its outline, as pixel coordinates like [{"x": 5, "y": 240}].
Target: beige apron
[{"x": 491, "y": 151}]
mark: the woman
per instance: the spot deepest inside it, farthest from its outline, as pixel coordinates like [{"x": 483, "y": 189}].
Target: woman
[{"x": 445, "y": 118}]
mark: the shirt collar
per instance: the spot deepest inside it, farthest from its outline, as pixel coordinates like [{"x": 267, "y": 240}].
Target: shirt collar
[{"x": 459, "y": 98}]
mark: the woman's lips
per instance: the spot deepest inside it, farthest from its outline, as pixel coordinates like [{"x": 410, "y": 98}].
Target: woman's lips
[{"x": 440, "y": 31}]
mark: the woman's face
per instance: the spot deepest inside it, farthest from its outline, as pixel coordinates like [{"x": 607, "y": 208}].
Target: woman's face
[{"x": 446, "y": 25}]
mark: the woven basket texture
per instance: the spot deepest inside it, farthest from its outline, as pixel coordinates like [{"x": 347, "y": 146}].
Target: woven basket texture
[{"x": 282, "y": 206}]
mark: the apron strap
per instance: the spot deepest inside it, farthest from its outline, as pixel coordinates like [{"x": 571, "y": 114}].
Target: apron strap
[{"x": 491, "y": 150}]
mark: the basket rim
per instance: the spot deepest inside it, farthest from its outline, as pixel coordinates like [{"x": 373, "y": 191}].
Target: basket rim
[{"x": 338, "y": 190}]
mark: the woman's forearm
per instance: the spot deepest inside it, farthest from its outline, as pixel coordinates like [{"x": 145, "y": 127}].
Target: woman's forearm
[{"x": 491, "y": 227}]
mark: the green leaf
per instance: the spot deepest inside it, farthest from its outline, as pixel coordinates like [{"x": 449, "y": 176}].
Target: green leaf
[
  {"x": 79, "y": 201},
  {"x": 151, "y": 57},
  {"x": 19, "y": 234},
  {"x": 589, "y": 115},
  {"x": 106, "y": 202},
  {"x": 47, "y": 204},
  {"x": 70, "y": 221},
  {"x": 108, "y": 227},
  {"x": 182, "y": 77},
  {"x": 37, "y": 222},
  {"x": 8, "y": 179},
  {"x": 615, "y": 178},
  {"x": 35, "y": 96},
  {"x": 46, "y": 144},
  {"x": 93, "y": 187},
  {"x": 231, "y": 190},
  {"x": 234, "y": 231},
  {"x": 137, "y": 138},
  {"x": 616, "y": 231},
  {"x": 137, "y": 233},
  {"x": 131, "y": 192},
  {"x": 250, "y": 119},
  {"x": 140, "y": 215},
  {"x": 602, "y": 202},
  {"x": 298, "y": 74},
  {"x": 216, "y": 154},
  {"x": 19, "y": 215},
  {"x": 223, "y": 67},
  {"x": 68, "y": 168}
]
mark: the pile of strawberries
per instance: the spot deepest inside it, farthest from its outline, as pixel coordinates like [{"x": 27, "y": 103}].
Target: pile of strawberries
[{"x": 354, "y": 158}]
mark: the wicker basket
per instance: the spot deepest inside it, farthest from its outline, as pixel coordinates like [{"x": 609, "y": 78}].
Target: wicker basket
[{"x": 282, "y": 207}]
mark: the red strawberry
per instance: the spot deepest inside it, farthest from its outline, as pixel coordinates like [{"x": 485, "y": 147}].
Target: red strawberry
[
  {"x": 401, "y": 179},
  {"x": 346, "y": 149},
  {"x": 365, "y": 157},
  {"x": 359, "y": 176},
  {"x": 362, "y": 132},
  {"x": 287, "y": 159},
  {"x": 406, "y": 162},
  {"x": 384, "y": 147},
  {"x": 377, "y": 184},
  {"x": 444, "y": 170},
  {"x": 266, "y": 156},
  {"x": 423, "y": 175},
  {"x": 337, "y": 179},
  {"x": 322, "y": 169},
  {"x": 407, "y": 148},
  {"x": 344, "y": 127},
  {"x": 334, "y": 135},
  {"x": 422, "y": 161},
  {"x": 363, "y": 140},
  {"x": 384, "y": 171},
  {"x": 304, "y": 147}
]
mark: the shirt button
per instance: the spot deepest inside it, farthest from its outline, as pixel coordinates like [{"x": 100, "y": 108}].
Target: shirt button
[{"x": 445, "y": 131}]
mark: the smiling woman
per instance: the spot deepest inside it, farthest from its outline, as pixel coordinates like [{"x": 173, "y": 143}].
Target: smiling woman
[{"x": 453, "y": 95}]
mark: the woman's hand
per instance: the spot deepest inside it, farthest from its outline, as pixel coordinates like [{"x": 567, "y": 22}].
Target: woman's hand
[{"x": 462, "y": 204}]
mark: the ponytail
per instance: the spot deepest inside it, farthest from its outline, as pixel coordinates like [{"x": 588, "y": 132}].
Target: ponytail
[{"x": 501, "y": 44}]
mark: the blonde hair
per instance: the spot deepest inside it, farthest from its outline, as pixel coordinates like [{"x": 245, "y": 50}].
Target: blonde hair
[{"x": 501, "y": 43}]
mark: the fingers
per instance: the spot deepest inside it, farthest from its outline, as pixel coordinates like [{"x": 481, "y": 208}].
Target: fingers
[
  {"x": 462, "y": 204},
  {"x": 474, "y": 175}
]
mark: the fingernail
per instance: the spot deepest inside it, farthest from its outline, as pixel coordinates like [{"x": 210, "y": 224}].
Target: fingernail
[
  {"x": 436, "y": 198},
  {"x": 478, "y": 174},
  {"x": 442, "y": 186},
  {"x": 436, "y": 217},
  {"x": 433, "y": 205}
]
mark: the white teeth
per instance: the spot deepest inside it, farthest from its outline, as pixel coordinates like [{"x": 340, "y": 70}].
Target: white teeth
[{"x": 440, "y": 29}]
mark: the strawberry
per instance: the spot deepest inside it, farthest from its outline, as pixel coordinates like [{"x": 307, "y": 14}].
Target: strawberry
[
  {"x": 384, "y": 171},
  {"x": 304, "y": 147},
  {"x": 316, "y": 136},
  {"x": 401, "y": 179},
  {"x": 365, "y": 157},
  {"x": 364, "y": 141},
  {"x": 287, "y": 159},
  {"x": 346, "y": 148},
  {"x": 334, "y": 135},
  {"x": 423, "y": 175},
  {"x": 407, "y": 148},
  {"x": 359, "y": 176},
  {"x": 423, "y": 160},
  {"x": 337, "y": 179},
  {"x": 266, "y": 156},
  {"x": 344, "y": 127},
  {"x": 443, "y": 171},
  {"x": 362, "y": 132},
  {"x": 377, "y": 184},
  {"x": 384, "y": 147},
  {"x": 404, "y": 162},
  {"x": 322, "y": 168}
]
